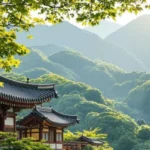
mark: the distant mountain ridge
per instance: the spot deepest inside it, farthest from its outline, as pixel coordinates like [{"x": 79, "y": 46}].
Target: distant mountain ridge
[
  {"x": 104, "y": 29},
  {"x": 51, "y": 49},
  {"x": 88, "y": 44},
  {"x": 135, "y": 38}
]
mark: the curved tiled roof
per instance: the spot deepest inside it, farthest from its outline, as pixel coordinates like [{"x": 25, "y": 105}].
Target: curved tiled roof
[
  {"x": 90, "y": 140},
  {"x": 19, "y": 94},
  {"x": 50, "y": 115}
]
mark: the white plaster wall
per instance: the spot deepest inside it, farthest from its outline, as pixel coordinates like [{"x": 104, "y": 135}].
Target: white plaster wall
[
  {"x": 10, "y": 110},
  {"x": 9, "y": 121},
  {"x": 53, "y": 146},
  {"x": 56, "y": 146},
  {"x": 59, "y": 146}
]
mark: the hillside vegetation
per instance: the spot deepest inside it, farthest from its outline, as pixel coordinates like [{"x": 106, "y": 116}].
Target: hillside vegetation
[
  {"x": 92, "y": 73},
  {"x": 139, "y": 98},
  {"x": 113, "y": 81},
  {"x": 37, "y": 59},
  {"x": 94, "y": 111}
]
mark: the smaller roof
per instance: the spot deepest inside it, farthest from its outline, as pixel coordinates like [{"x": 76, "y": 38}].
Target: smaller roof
[
  {"x": 51, "y": 116},
  {"x": 89, "y": 140}
]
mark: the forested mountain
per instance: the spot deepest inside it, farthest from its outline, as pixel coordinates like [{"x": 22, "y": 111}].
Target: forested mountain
[
  {"x": 37, "y": 59},
  {"x": 113, "y": 81},
  {"x": 138, "y": 98},
  {"x": 135, "y": 38},
  {"x": 104, "y": 28},
  {"x": 71, "y": 65},
  {"x": 88, "y": 44},
  {"x": 94, "y": 111},
  {"x": 90, "y": 72}
]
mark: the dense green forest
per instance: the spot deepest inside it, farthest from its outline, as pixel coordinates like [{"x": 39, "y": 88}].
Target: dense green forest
[
  {"x": 129, "y": 90},
  {"x": 94, "y": 110},
  {"x": 113, "y": 81}
]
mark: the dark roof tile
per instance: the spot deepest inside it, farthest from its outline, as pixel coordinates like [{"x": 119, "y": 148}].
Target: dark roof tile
[
  {"x": 90, "y": 140},
  {"x": 14, "y": 91},
  {"x": 50, "y": 115}
]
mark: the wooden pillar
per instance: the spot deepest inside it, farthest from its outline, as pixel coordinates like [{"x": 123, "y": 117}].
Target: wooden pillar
[
  {"x": 49, "y": 135},
  {"x": 3, "y": 114},
  {"x": 55, "y": 135},
  {"x": 62, "y": 137},
  {"x": 14, "y": 122},
  {"x": 30, "y": 132},
  {"x": 80, "y": 146},
  {"x": 26, "y": 132},
  {"x": 40, "y": 133},
  {"x": 20, "y": 134},
  {"x": 2, "y": 123}
]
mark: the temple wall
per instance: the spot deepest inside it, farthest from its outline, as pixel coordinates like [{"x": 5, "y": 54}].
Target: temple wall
[
  {"x": 56, "y": 146},
  {"x": 9, "y": 121}
]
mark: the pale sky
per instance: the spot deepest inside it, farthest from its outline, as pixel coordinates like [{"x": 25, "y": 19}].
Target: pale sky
[{"x": 127, "y": 17}]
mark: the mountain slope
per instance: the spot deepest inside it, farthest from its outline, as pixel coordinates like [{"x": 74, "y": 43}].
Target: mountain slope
[
  {"x": 97, "y": 74},
  {"x": 51, "y": 49},
  {"x": 111, "y": 80},
  {"x": 139, "y": 97},
  {"x": 88, "y": 44},
  {"x": 35, "y": 73},
  {"x": 37, "y": 59},
  {"x": 104, "y": 28},
  {"x": 93, "y": 110},
  {"x": 135, "y": 38}
]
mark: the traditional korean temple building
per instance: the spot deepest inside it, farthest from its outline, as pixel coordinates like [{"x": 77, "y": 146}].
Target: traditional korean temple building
[
  {"x": 15, "y": 96},
  {"x": 82, "y": 142},
  {"x": 44, "y": 123}
]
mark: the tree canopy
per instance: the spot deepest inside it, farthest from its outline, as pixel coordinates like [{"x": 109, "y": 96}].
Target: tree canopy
[
  {"x": 17, "y": 15},
  {"x": 9, "y": 141}
]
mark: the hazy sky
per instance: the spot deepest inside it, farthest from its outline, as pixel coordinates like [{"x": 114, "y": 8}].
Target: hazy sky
[{"x": 127, "y": 17}]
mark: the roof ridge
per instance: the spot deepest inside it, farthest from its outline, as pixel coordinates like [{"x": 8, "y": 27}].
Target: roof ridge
[
  {"x": 65, "y": 115},
  {"x": 43, "y": 109},
  {"x": 50, "y": 109},
  {"x": 27, "y": 85}
]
